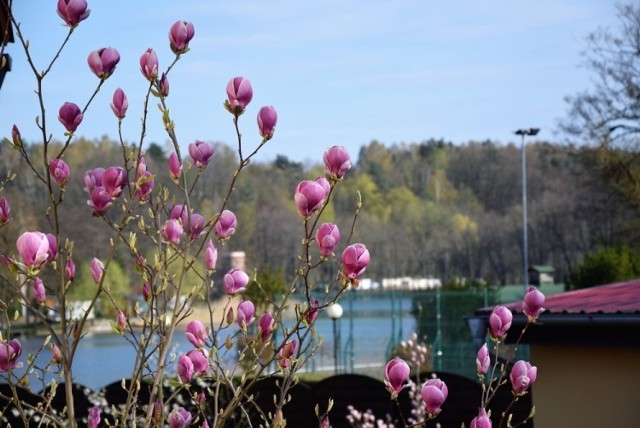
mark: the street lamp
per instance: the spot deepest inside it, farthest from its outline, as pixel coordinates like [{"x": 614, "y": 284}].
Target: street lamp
[
  {"x": 525, "y": 246},
  {"x": 335, "y": 312}
]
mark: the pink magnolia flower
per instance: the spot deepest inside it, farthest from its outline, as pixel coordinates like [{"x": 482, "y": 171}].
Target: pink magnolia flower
[
  {"x": 114, "y": 179},
  {"x": 56, "y": 354},
  {"x": 70, "y": 270},
  {"x": 200, "y": 152},
  {"x": 532, "y": 303},
  {"x": 16, "y": 138},
  {"x": 196, "y": 224},
  {"x": 313, "y": 312},
  {"x": 267, "y": 119},
  {"x": 355, "y": 259},
  {"x": 100, "y": 200},
  {"x": 180, "y": 35},
  {"x": 33, "y": 248},
  {"x": 5, "y": 210},
  {"x": 481, "y": 421},
  {"x": 196, "y": 333},
  {"x": 309, "y": 197},
  {"x": 103, "y": 62},
  {"x": 146, "y": 291},
  {"x": 200, "y": 360},
  {"x": 97, "y": 270},
  {"x": 336, "y": 162},
  {"x": 396, "y": 373},
  {"x": 327, "y": 237},
  {"x": 144, "y": 186},
  {"x": 53, "y": 247},
  {"x": 175, "y": 168},
  {"x": 9, "y": 353},
  {"x": 235, "y": 281},
  {"x": 172, "y": 231},
  {"x": 59, "y": 170},
  {"x": 239, "y": 94},
  {"x": 244, "y": 313},
  {"x": 73, "y": 11},
  {"x": 226, "y": 225},
  {"x": 266, "y": 325},
  {"x": 185, "y": 369},
  {"x": 149, "y": 64},
  {"x": 179, "y": 212},
  {"x": 522, "y": 376},
  {"x": 434, "y": 393},
  {"x": 286, "y": 353},
  {"x": 93, "y": 179},
  {"x": 119, "y": 104},
  {"x": 121, "y": 322},
  {"x": 483, "y": 360},
  {"x": 163, "y": 86},
  {"x": 500, "y": 322},
  {"x": 39, "y": 293},
  {"x": 70, "y": 116},
  {"x": 210, "y": 256},
  {"x": 93, "y": 420},
  {"x": 179, "y": 418}
]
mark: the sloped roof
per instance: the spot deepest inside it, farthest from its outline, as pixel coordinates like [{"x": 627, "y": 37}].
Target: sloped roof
[{"x": 619, "y": 298}]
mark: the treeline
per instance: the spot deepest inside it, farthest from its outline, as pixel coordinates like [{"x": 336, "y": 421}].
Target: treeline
[{"x": 428, "y": 209}]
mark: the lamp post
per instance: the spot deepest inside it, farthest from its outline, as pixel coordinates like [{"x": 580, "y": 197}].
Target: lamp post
[
  {"x": 335, "y": 312},
  {"x": 525, "y": 245}
]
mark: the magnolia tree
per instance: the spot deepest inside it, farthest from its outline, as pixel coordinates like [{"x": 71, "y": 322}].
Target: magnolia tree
[{"x": 174, "y": 250}]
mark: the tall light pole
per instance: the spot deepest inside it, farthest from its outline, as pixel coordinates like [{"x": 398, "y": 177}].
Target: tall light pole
[
  {"x": 525, "y": 245},
  {"x": 335, "y": 312}
]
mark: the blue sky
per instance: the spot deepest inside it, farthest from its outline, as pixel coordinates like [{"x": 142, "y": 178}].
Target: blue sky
[{"x": 338, "y": 72}]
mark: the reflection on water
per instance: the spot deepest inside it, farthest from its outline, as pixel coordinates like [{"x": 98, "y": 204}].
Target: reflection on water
[{"x": 102, "y": 359}]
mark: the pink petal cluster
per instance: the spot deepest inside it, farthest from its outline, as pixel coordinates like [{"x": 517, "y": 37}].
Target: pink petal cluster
[
  {"x": 172, "y": 231},
  {"x": 355, "y": 259},
  {"x": 210, "y": 256},
  {"x": 73, "y": 11},
  {"x": 102, "y": 62},
  {"x": 483, "y": 360},
  {"x": 266, "y": 326},
  {"x": 200, "y": 152},
  {"x": 180, "y": 34},
  {"x": 149, "y": 64},
  {"x": 267, "y": 119},
  {"x": 9, "y": 353},
  {"x": 226, "y": 225},
  {"x": 163, "y": 86},
  {"x": 239, "y": 95},
  {"x": 396, "y": 373},
  {"x": 59, "y": 171},
  {"x": 39, "y": 293},
  {"x": 336, "y": 162},
  {"x": 119, "y": 103},
  {"x": 286, "y": 353},
  {"x": 481, "y": 421},
  {"x": 97, "y": 270},
  {"x": 500, "y": 322},
  {"x": 309, "y": 197},
  {"x": 196, "y": 333},
  {"x": 70, "y": 116},
  {"x": 434, "y": 393},
  {"x": 16, "y": 138},
  {"x": 70, "y": 270},
  {"x": 56, "y": 354},
  {"x": 33, "y": 248},
  {"x": 175, "y": 168},
  {"x": 144, "y": 181},
  {"x": 313, "y": 312},
  {"x": 179, "y": 418},
  {"x": 5, "y": 210},
  {"x": 327, "y": 237},
  {"x": 522, "y": 376},
  {"x": 532, "y": 303},
  {"x": 244, "y": 313},
  {"x": 93, "y": 420},
  {"x": 121, "y": 322},
  {"x": 235, "y": 281}
]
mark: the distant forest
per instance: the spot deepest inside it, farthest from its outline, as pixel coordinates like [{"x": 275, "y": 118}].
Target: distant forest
[{"x": 429, "y": 209}]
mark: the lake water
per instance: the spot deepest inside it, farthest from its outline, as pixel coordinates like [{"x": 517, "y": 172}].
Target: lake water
[{"x": 365, "y": 332}]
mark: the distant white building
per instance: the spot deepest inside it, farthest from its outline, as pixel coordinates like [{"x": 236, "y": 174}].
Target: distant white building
[{"x": 408, "y": 283}]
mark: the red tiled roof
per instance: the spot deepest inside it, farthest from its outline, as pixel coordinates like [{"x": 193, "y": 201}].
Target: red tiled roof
[{"x": 619, "y": 298}]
